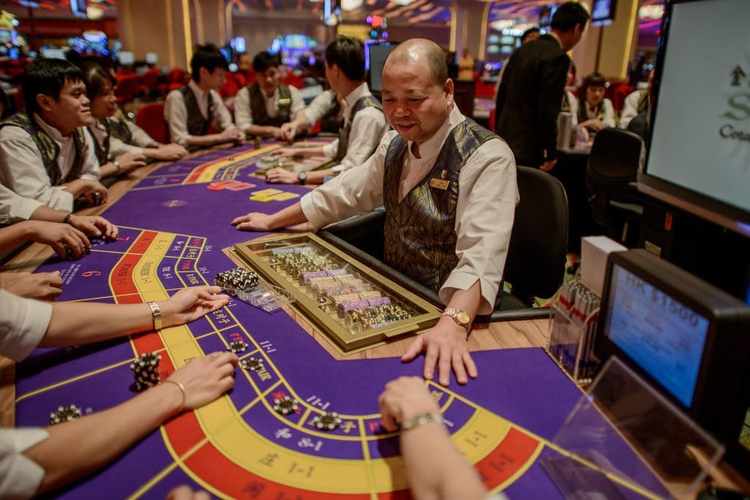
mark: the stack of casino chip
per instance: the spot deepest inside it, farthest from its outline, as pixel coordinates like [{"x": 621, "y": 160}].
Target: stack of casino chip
[
  {"x": 252, "y": 363},
  {"x": 64, "y": 414},
  {"x": 326, "y": 422},
  {"x": 237, "y": 280},
  {"x": 146, "y": 370},
  {"x": 237, "y": 346},
  {"x": 285, "y": 405}
]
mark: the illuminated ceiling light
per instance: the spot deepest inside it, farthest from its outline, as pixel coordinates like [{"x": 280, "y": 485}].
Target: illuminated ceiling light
[
  {"x": 351, "y": 4},
  {"x": 94, "y": 12},
  {"x": 403, "y": 2},
  {"x": 501, "y": 24},
  {"x": 651, "y": 12}
]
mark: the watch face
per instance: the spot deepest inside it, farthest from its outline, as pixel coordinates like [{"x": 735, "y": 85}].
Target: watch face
[{"x": 463, "y": 317}]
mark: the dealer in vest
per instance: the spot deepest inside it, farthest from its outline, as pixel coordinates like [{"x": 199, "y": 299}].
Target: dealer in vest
[
  {"x": 263, "y": 107},
  {"x": 449, "y": 190}
]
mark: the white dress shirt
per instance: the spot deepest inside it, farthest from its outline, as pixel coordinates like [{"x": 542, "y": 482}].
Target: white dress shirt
[
  {"x": 320, "y": 106},
  {"x": 14, "y": 208},
  {"x": 23, "y": 324},
  {"x": 630, "y": 107},
  {"x": 606, "y": 114},
  {"x": 367, "y": 130},
  {"x": 242, "y": 112},
  {"x": 487, "y": 198},
  {"x": 117, "y": 147},
  {"x": 22, "y": 168},
  {"x": 176, "y": 115}
]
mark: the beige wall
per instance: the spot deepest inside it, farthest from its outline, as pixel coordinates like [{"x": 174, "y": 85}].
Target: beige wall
[{"x": 160, "y": 31}]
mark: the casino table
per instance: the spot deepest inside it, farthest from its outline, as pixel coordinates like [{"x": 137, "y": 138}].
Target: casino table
[{"x": 174, "y": 224}]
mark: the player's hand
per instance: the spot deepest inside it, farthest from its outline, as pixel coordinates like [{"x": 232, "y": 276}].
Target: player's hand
[
  {"x": 41, "y": 286},
  {"x": 206, "y": 378},
  {"x": 281, "y": 176},
  {"x": 254, "y": 221},
  {"x": 445, "y": 348},
  {"x": 94, "y": 226},
  {"x": 288, "y": 132},
  {"x": 186, "y": 493},
  {"x": 547, "y": 166},
  {"x": 276, "y": 133},
  {"x": 92, "y": 191},
  {"x": 190, "y": 304},
  {"x": 403, "y": 399},
  {"x": 130, "y": 161},
  {"x": 167, "y": 152},
  {"x": 66, "y": 240},
  {"x": 233, "y": 134}
]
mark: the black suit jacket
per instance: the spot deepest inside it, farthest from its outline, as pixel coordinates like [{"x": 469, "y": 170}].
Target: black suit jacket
[{"x": 529, "y": 100}]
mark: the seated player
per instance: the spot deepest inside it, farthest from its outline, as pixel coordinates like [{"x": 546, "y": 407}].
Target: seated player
[
  {"x": 449, "y": 191},
  {"x": 35, "y": 460},
  {"x": 195, "y": 109},
  {"x": 435, "y": 469},
  {"x": 364, "y": 120},
  {"x": 324, "y": 103},
  {"x": 46, "y": 155},
  {"x": 120, "y": 145},
  {"x": 262, "y": 108},
  {"x": 594, "y": 110}
]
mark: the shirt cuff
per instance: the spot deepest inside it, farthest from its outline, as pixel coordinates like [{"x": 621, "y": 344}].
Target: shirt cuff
[
  {"x": 312, "y": 214},
  {"x": 38, "y": 316},
  {"x": 461, "y": 280},
  {"x": 330, "y": 149},
  {"x": 90, "y": 177},
  {"x": 63, "y": 201},
  {"x": 23, "y": 474},
  {"x": 23, "y": 208}
]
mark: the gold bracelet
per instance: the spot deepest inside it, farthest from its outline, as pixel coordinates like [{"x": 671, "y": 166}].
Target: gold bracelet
[
  {"x": 155, "y": 314},
  {"x": 182, "y": 390},
  {"x": 421, "y": 419}
]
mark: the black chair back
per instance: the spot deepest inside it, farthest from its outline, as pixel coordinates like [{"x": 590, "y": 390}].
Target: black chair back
[{"x": 536, "y": 258}]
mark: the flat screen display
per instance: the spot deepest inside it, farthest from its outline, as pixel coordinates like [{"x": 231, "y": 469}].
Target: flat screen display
[
  {"x": 701, "y": 125},
  {"x": 663, "y": 336},
  {"x": 603, "y": 11},
  {"x": 378, "y": 53}
]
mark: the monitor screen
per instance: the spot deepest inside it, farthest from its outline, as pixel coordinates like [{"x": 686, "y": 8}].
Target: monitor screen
[
  {"x": 377, "y": 55},
  {"x": 700, "y": 137},
  {"x": 660, "y": 334},
  {"x": 603, "y": 11}
]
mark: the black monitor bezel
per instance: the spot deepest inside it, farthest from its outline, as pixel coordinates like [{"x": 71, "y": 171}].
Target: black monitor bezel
[{"x": 715, "y": 205}]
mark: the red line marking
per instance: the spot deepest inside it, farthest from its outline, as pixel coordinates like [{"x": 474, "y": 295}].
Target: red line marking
[{"x": 507, "y": 458}]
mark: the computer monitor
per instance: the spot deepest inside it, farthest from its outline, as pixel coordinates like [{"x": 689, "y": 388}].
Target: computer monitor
[
  {"x": 603, "y": 12},
  {"x": 700, "y": 119},
  {"x": 688, "y": 338},
  {"x": 376, "y": 55}
]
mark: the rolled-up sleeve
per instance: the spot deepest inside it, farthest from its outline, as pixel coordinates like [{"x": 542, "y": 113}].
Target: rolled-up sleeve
[
  {"x": 487, "y": 199},
  {"x": 20, "y": 476},
  {"x": 23, "y": 170},
  {"x": 140, "y": 137},
  {"x": 23, "y": 324},
  {"x": 221, "y": 112},
  {"x": 358, "y": 190},
  {"x": 175, "y": 113},
  {"x": 242, "y": 114},
  {"x": 320, "y": 106},
  {"x": 14, "y": 208}
]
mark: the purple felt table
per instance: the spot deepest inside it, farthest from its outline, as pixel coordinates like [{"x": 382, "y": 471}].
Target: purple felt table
[{"x": 502, "y": 421}]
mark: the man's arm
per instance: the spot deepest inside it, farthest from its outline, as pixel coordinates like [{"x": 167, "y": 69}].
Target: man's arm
[
  {"x": 14, "y": 208},
  {"x": 552, "y": 75}
]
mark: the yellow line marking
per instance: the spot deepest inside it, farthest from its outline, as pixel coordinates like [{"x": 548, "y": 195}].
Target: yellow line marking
[{"x": 367, "y": 459}]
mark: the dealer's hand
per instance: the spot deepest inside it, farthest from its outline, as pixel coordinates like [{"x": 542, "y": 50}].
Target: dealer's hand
[
  {"x": 191, "y": 303},
  {"x": 94, "y": 226},
  {"x": 205, "y": 379},
  {"x": 185, "y": 492},
  {"x": 254, "y": 221},
  {"x": 67, "y": 240},
  {"x": 403, "y": 399},
  {"x": 445, "y": 347},
  {"x": 288, "y": 131},
  {"x": 40, "y": 286},
  {"x": 281, "y": 176}
]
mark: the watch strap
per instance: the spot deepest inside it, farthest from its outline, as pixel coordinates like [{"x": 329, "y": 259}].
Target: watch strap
[{"x": 421, "y": 419}]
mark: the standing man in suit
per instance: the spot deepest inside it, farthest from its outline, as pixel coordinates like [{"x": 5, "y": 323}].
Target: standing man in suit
[{"x": 531, "y": 90}]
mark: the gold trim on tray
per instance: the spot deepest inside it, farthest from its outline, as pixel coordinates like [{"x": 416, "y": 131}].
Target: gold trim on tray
[{"x": 353, "y": 305}]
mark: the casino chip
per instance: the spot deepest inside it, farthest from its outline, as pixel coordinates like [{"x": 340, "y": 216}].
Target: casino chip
[
  {"x": 237, "y": 346},
  {"x": 145, "y": 369},
  {"x": 252, "y": 363},
  {"x": 326, "y": 422},
  {"x": 285, "y": 405},
  {"x": 64, "y": 414},
  {"x": 237, "y": 280}
]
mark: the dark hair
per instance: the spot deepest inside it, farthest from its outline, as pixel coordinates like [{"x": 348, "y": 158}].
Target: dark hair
[
  {"x": 349, "y": 55},
  {"x": 265, "y": 60},
  {"x": 95, "y": 77},
  {"x": 595, "y": 79},
  {"x": 206, "y": 56},
  {"x": 569, "y": 15},
  {"x": 48, "y": 77},
  {"x": 528, "y": 32}
]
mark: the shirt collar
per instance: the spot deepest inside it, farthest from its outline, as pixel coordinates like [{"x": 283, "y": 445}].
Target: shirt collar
[
  {"x": 49, "y": 129},
  {"x": 354, "y": 96},
  {"x": 431, "y": 147},
  {"x": 199, "y": 93}
]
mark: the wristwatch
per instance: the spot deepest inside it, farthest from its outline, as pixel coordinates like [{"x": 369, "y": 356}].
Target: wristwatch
[
  {"x": 460, "y": 316},
  {"x": 302, "y": 177}
]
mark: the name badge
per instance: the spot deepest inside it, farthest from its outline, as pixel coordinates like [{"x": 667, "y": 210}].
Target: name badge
[{"x": 441, "y": 184}]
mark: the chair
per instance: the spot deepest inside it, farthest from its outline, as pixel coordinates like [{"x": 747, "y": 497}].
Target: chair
[
  {"x": 150, "y": 118},
  {"x": 536, "y": 258},
  {"x": 616, "y": 156}
]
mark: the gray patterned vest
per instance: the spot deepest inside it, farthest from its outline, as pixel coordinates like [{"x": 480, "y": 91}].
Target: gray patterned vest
[
  {"x": 101, "y": 150},
  {"x": 258, "y": 106},
  {"x": 117, "y": 128},
  {"x": 368, "y": 101},
  {"x": 420, "y": 236},
  {"x": 196, "y": 123},
  {"x": 49, "y": 148}
]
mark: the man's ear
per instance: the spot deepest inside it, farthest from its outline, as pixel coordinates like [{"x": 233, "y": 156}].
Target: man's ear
[
  {"x": 448, "y": 89},
  {"x": 203, "y": 73},
  {"x": 45, "y": 102}
]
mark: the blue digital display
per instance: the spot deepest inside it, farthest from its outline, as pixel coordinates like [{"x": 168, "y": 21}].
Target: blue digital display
[{"x": 660, "y": 334}]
